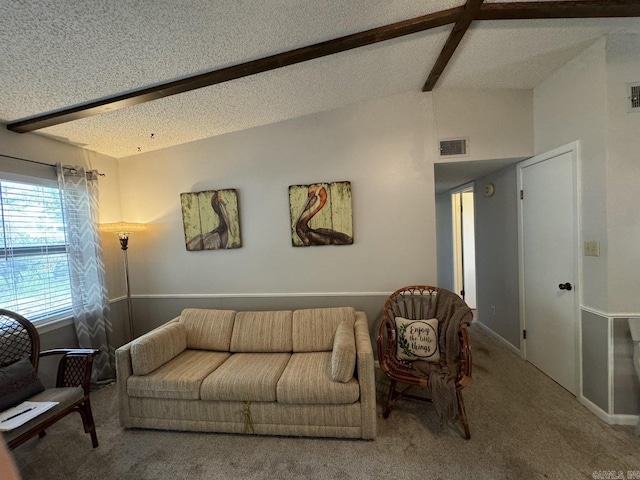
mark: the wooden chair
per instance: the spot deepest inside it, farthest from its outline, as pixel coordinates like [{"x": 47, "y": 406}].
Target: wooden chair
[
  {"x": 420, "y": 302},
  {"x": 19, "y": 339}
]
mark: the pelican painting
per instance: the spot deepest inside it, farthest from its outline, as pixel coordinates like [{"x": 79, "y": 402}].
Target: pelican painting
[
  {"x": 211, "y": 220},
  {"x": 321, "y": 214}
]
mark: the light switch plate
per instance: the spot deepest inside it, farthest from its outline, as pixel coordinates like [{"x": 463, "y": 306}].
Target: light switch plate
[{"x": 591, "y": 248}]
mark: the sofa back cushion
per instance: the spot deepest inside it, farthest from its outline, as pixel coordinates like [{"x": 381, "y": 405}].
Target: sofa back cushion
[
  {"x": 262, "y": 332},
  {"x": 156, "y": 348},
  {"x": 208, "y": 329},
  {"x": 313, "y": 330}
]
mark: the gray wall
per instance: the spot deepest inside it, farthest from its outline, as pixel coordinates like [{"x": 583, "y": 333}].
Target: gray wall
[
  {"x": 63, "y": 337},
  {"x": 595, "y": 359},
  {"x": 497, "y": 255},
  {"x": 626, "y": 386},
  {"x": 444, "y": 240},
  {"x": 151, "y": 312}
]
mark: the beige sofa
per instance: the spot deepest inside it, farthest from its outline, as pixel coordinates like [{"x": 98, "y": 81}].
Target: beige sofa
[{"x": 303, "y": 373}]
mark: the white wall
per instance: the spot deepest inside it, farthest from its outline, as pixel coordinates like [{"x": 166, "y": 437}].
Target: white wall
[
  {"x": 499, "y": 123},
  {"x": 385, "y": 147},
  {"x": 569, "y": 106},
  {"x": 378, "y": 146},
  {"x": 623, "y": 175}
]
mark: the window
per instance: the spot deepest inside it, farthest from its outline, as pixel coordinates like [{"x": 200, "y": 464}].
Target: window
[{"x": 34, "y": 268}]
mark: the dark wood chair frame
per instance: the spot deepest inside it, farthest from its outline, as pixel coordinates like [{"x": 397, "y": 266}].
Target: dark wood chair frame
[
  {"x": 74, "y": 369},
  {"x": 412, "y": 302}
]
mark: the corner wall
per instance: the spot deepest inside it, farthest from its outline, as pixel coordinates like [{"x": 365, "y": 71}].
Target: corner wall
[
  {"x": 610, "y": 175},
  {"x": 497, "y": 273}
]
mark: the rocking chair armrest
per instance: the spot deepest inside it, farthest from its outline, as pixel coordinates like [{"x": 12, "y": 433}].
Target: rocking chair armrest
[
  {"x": 74, "y": 368},
  {"x": 69, "y": 351},
  {"x": 465, "y": 357}
]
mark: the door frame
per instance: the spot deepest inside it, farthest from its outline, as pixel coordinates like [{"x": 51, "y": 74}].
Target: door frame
[
  {"x": 467, "y": 187},
  {"x": 574, "y": 149}
]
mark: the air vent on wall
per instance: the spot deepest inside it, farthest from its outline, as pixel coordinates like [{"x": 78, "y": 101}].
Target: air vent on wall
[
  {"x": 633, "y": 95},
  {"x": 456, "y": 147}
]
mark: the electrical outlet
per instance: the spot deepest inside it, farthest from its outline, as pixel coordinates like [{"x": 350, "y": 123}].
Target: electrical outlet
[
  {"x": 493, "y": 310},
  {"x": 591, "y": 248}
]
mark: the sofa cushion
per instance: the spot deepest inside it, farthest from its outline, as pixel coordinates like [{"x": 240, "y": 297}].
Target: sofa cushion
[
  {"x": 157, "y": 347},
  {"x": 262, "y": 332},
  {"x": 307, "y": 379},
  {"x": 208, "y": 329},
  {"x": 343, "y": 356},
  {"x": 179, "y": 378},
  {"x": 313, "y": 329},
  {"x": 246, "y": 377}
]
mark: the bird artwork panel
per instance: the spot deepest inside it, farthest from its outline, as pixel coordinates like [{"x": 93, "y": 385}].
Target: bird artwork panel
[
  {"x": 321, "y": 214},
  {"x": 211, "y": 220}
]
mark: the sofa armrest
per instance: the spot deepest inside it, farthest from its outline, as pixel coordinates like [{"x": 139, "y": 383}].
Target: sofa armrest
[
  {"x": 366, "y": 375},
  {"x": 124, "y": 370}
]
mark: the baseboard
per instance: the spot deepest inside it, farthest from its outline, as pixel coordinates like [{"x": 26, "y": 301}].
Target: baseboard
[
  {"x": 498, "y": 337},
  {"x": 611, "y": 419}
]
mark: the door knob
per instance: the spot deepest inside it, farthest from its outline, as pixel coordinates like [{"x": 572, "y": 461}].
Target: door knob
[{"x": 565, "y": 286}]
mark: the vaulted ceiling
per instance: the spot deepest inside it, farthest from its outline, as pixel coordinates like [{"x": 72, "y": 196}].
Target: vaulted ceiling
[{"x": 58, "y": 59}]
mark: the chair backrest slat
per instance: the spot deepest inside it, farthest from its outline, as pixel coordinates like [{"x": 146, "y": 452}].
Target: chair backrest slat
[{"x": 18, "y": 339}]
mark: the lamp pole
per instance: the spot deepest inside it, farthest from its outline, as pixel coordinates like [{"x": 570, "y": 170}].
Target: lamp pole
[
  {"x": 124, "y": 229},
  {"x": 124, "y": 244}
]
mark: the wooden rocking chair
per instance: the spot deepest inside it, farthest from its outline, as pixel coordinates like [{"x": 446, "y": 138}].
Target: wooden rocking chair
[
  {"x": 18, "y": 340},
  {"x": 422, "y": 302}
]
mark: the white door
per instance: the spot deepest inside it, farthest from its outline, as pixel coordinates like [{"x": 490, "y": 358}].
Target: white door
[
  {"x": 464, "y": 245},
  {"x": 549, "y": 290},
  {"x": 469, "y": 248}
]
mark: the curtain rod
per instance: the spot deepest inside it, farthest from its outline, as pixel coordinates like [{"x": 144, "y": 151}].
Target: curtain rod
[
  {"x": 41, "y": 163},
  {"x": 26, "y": 160}
]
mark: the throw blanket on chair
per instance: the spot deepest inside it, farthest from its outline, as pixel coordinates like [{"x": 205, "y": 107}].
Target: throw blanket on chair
[{"x": 451, "y": 312}]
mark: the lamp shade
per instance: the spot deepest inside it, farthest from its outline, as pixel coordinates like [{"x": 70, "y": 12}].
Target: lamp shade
[{"x": 122, "y": 227}]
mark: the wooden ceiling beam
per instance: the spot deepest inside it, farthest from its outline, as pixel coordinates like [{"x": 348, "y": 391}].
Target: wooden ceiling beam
[
  {"x": 303, "y": 54},
  {"x": 559, "y": 9},
  {"x": 455, "y": 37}
]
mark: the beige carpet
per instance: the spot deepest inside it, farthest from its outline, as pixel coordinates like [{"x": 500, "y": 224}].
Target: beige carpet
[{"x": 523, "y": 426}]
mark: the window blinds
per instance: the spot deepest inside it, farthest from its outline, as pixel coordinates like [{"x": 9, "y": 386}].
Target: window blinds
[{"x": 34, "y": 269}]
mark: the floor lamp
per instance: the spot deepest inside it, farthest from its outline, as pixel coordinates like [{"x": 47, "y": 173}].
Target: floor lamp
[{"x": 123, "y": 230}]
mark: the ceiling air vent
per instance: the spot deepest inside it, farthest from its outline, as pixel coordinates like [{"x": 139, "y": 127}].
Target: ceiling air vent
[
  {"x": 633, "y": 94},
  {"x": 457, "y": 147}
]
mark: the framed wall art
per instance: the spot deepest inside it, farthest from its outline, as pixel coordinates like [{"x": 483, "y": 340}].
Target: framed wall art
[
  {"x": 321, "y": 214},
  {"x": 211, "y": 220}
]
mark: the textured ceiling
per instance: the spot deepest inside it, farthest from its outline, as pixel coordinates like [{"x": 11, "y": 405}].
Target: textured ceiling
[{"x": 60, "y": 54}]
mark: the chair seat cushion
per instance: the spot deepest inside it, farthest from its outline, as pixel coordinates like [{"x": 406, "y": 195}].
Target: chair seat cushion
[
  {"x": 246, "y": 377},
  {"x": 179, "y": 378},
  {"x": 66, "y": 397},
  {"x": 307, "y": 379}
]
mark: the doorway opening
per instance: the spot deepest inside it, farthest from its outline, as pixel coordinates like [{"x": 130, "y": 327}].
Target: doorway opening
[{"x": 464, "y": 244}]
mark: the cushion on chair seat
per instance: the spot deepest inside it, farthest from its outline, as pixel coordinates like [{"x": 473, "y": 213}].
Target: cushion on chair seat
[
  {"x": 65, "y": 397},
  {"x": 179, "y": 378},
  {"x": 246, "y": 377},
  {"x": 307, "y": 379}
]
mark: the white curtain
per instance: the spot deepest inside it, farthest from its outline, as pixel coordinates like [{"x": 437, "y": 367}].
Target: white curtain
[{"x": 79, "y": 189}]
